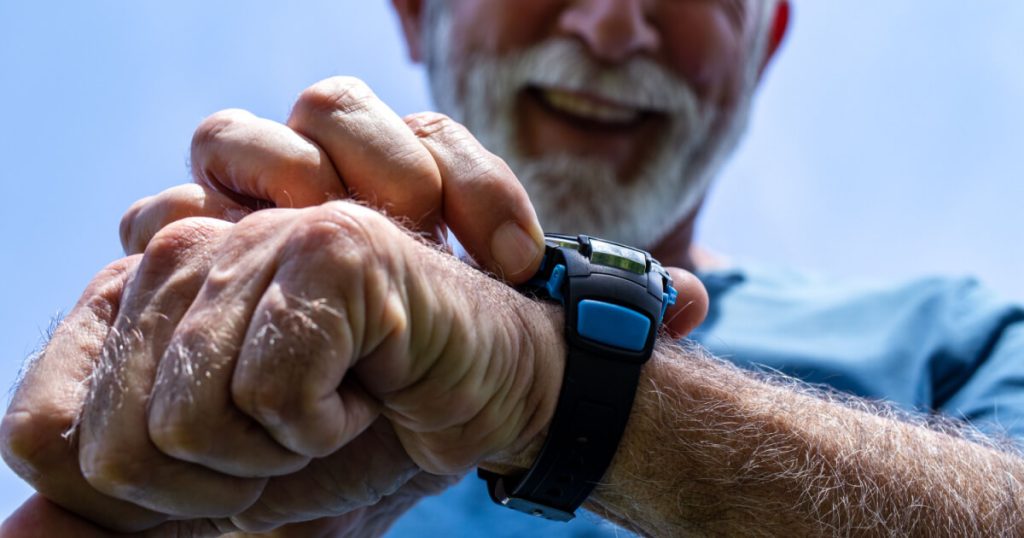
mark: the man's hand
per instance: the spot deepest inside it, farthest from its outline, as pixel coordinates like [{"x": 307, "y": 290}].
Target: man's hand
[
  {"x": 244, "y": 163},
  {"x": 341, "y": 141},
  {"x": 248, "y": 349}
]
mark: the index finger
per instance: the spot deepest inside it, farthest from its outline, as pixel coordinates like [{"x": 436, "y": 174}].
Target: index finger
[
  {"x": 256, "y": 161},
  {"x": 377, "y": 156}
]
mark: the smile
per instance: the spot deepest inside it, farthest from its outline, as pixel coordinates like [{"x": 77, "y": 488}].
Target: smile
[{"x": 595, "y": 112}]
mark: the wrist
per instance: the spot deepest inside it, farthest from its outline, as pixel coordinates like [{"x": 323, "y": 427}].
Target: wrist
[
  {"x": 541, "y": 341},
  {"x": 615, "y": 297}
]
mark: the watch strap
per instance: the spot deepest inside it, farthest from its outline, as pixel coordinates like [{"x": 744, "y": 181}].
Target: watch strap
[
  {"x": 590, "y": 417},
  {"x": 614, "y": 297}
]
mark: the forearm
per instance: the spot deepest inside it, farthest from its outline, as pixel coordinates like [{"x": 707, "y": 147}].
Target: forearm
[{"x": 711, "y": 449}]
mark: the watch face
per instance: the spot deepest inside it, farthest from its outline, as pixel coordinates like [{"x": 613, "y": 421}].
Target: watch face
[
  {"x": 620, "y": 257},
  {"x": 564, "y": 242}
]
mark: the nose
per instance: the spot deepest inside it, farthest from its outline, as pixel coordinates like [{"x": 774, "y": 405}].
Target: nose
[{"x": 613, "y": 30}]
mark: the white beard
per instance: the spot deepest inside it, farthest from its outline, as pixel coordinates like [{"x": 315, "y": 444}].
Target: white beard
[{"x": 584, "y": 194}]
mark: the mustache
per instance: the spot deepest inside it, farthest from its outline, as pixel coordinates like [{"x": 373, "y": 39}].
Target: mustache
[{"x": 565, "y": 64}]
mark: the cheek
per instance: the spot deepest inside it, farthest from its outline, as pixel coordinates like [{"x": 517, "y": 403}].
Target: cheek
[
  {"x": 703, "y": 44},
  {"x": 499, "y": 26}
]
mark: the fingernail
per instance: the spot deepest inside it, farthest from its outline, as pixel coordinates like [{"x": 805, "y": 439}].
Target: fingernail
[{"x": 513, "y": 248}]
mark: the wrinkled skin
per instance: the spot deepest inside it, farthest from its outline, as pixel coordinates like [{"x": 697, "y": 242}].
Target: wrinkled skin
[{"x": 216, "y": 438}]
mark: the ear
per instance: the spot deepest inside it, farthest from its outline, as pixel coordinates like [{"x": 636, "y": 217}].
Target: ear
[
  {"x": 776, "y": 31},
  {"x": 410, "y": 13}
]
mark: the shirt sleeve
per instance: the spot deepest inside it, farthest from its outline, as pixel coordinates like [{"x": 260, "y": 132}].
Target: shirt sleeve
[{"x": 988, "y": 388}]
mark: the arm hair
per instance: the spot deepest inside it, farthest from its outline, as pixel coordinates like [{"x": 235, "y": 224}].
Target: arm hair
[{"x": 712, "y": 449}]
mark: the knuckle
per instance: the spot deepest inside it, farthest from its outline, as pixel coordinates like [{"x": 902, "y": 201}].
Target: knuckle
[
  {"x": 426, "y": 124},
  {"x": 262, "y": 221},
  {"x": 147, "y": 216},
  {"x": 172, "y": 245},
  {"x": 336, "y": 94},
  {"x": 343, "y": 225},
  {"x": 213, "y": 127},
  {"x": 478, "y": 166},
  {"x": 102, "y": 298},
  {"x": 106, "y": 286},
  {"x": 205, "y": 160},
  {"x": 485, "y": 169},
  {"x": 128, "y": 227},
  {"x": 22, "y": 444}
]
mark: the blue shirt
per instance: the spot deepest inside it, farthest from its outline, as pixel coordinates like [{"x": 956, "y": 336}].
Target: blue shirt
[{"x": 934, "y": 346}]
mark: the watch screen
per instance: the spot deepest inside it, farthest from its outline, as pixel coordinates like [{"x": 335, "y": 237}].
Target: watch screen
[
  {"x": 564, "y": 242},
  {"x": 611, "y": 255}
]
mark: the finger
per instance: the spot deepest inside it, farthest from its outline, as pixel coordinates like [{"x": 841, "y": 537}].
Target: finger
[
  {"x": 191, "y": 415},
  {"x": 115, "y": 452},
  {"x": 40, "y": 518},
  {"x": 378, "y": 158},
  {"x": 38, "y": 430},
  {"x": 307, "y": 331},
  {"x": 484, "y": 203},
  {"x": 330, "y": 527},
  {"x": 333, "y": 492},
  {"x": 149, "y": 215},
  {"x": 370, "y": 468},
  {"x": 255, "y": 160},
  {"x": 691, "y": 305}
]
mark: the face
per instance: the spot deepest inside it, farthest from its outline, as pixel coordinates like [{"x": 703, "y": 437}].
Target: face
[{"x": 614, "y": 114}]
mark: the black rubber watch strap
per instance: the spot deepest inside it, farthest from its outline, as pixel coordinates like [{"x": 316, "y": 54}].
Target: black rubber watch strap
[
  {"x": 615, "y": 297},
  {"x": 591, "y": 415}
]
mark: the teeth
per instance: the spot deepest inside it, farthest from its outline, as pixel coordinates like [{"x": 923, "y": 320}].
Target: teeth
[{"x": 588, "y": 108}]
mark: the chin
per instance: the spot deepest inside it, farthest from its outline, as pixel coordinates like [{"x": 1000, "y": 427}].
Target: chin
[{"x": 587, "y": 194}]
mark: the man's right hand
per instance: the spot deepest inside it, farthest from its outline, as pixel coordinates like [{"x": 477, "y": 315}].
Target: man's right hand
[{"x": 341, "y": 142}]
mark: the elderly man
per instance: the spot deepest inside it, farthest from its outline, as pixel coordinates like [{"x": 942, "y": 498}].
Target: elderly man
[{"x": 322, "y": 370}]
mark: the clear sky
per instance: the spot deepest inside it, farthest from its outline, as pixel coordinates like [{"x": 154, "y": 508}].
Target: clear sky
[{"x": 888, "y": 141}]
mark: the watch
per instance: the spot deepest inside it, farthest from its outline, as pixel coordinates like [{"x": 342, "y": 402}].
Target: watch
[{"x": 615, "y": 298}]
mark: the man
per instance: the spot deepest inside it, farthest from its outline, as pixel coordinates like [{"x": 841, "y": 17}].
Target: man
[{"x": 320, "y": 365}]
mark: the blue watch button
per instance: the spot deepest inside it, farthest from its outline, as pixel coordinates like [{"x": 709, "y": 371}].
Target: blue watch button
[
  {"x": 612, "y": 325},
  {"x": 554, "y": 283},
  {"x": 667, "y": 299}
]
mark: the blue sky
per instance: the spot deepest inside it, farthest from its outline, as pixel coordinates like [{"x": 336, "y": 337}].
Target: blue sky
[{"x": 888, "y": 141}]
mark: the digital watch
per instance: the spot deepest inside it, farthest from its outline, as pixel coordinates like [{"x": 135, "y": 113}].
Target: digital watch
[{"x": 615, "y": 298}]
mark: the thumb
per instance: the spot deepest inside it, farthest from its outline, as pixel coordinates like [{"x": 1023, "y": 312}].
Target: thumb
[
  {"x": 691, "y": 305},
  {"x": 484, "y": 204},
  {"x": 38, "y": 518}
]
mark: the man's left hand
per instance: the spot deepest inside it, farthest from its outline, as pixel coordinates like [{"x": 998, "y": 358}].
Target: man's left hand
[{"x": 249, "y": 349}]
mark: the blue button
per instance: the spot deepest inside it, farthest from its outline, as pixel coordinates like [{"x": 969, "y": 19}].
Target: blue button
[
  {"x": 612, "y": 325},
  {"x": 667, "y": 299},
  {"x": 554, "y": 284}
]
